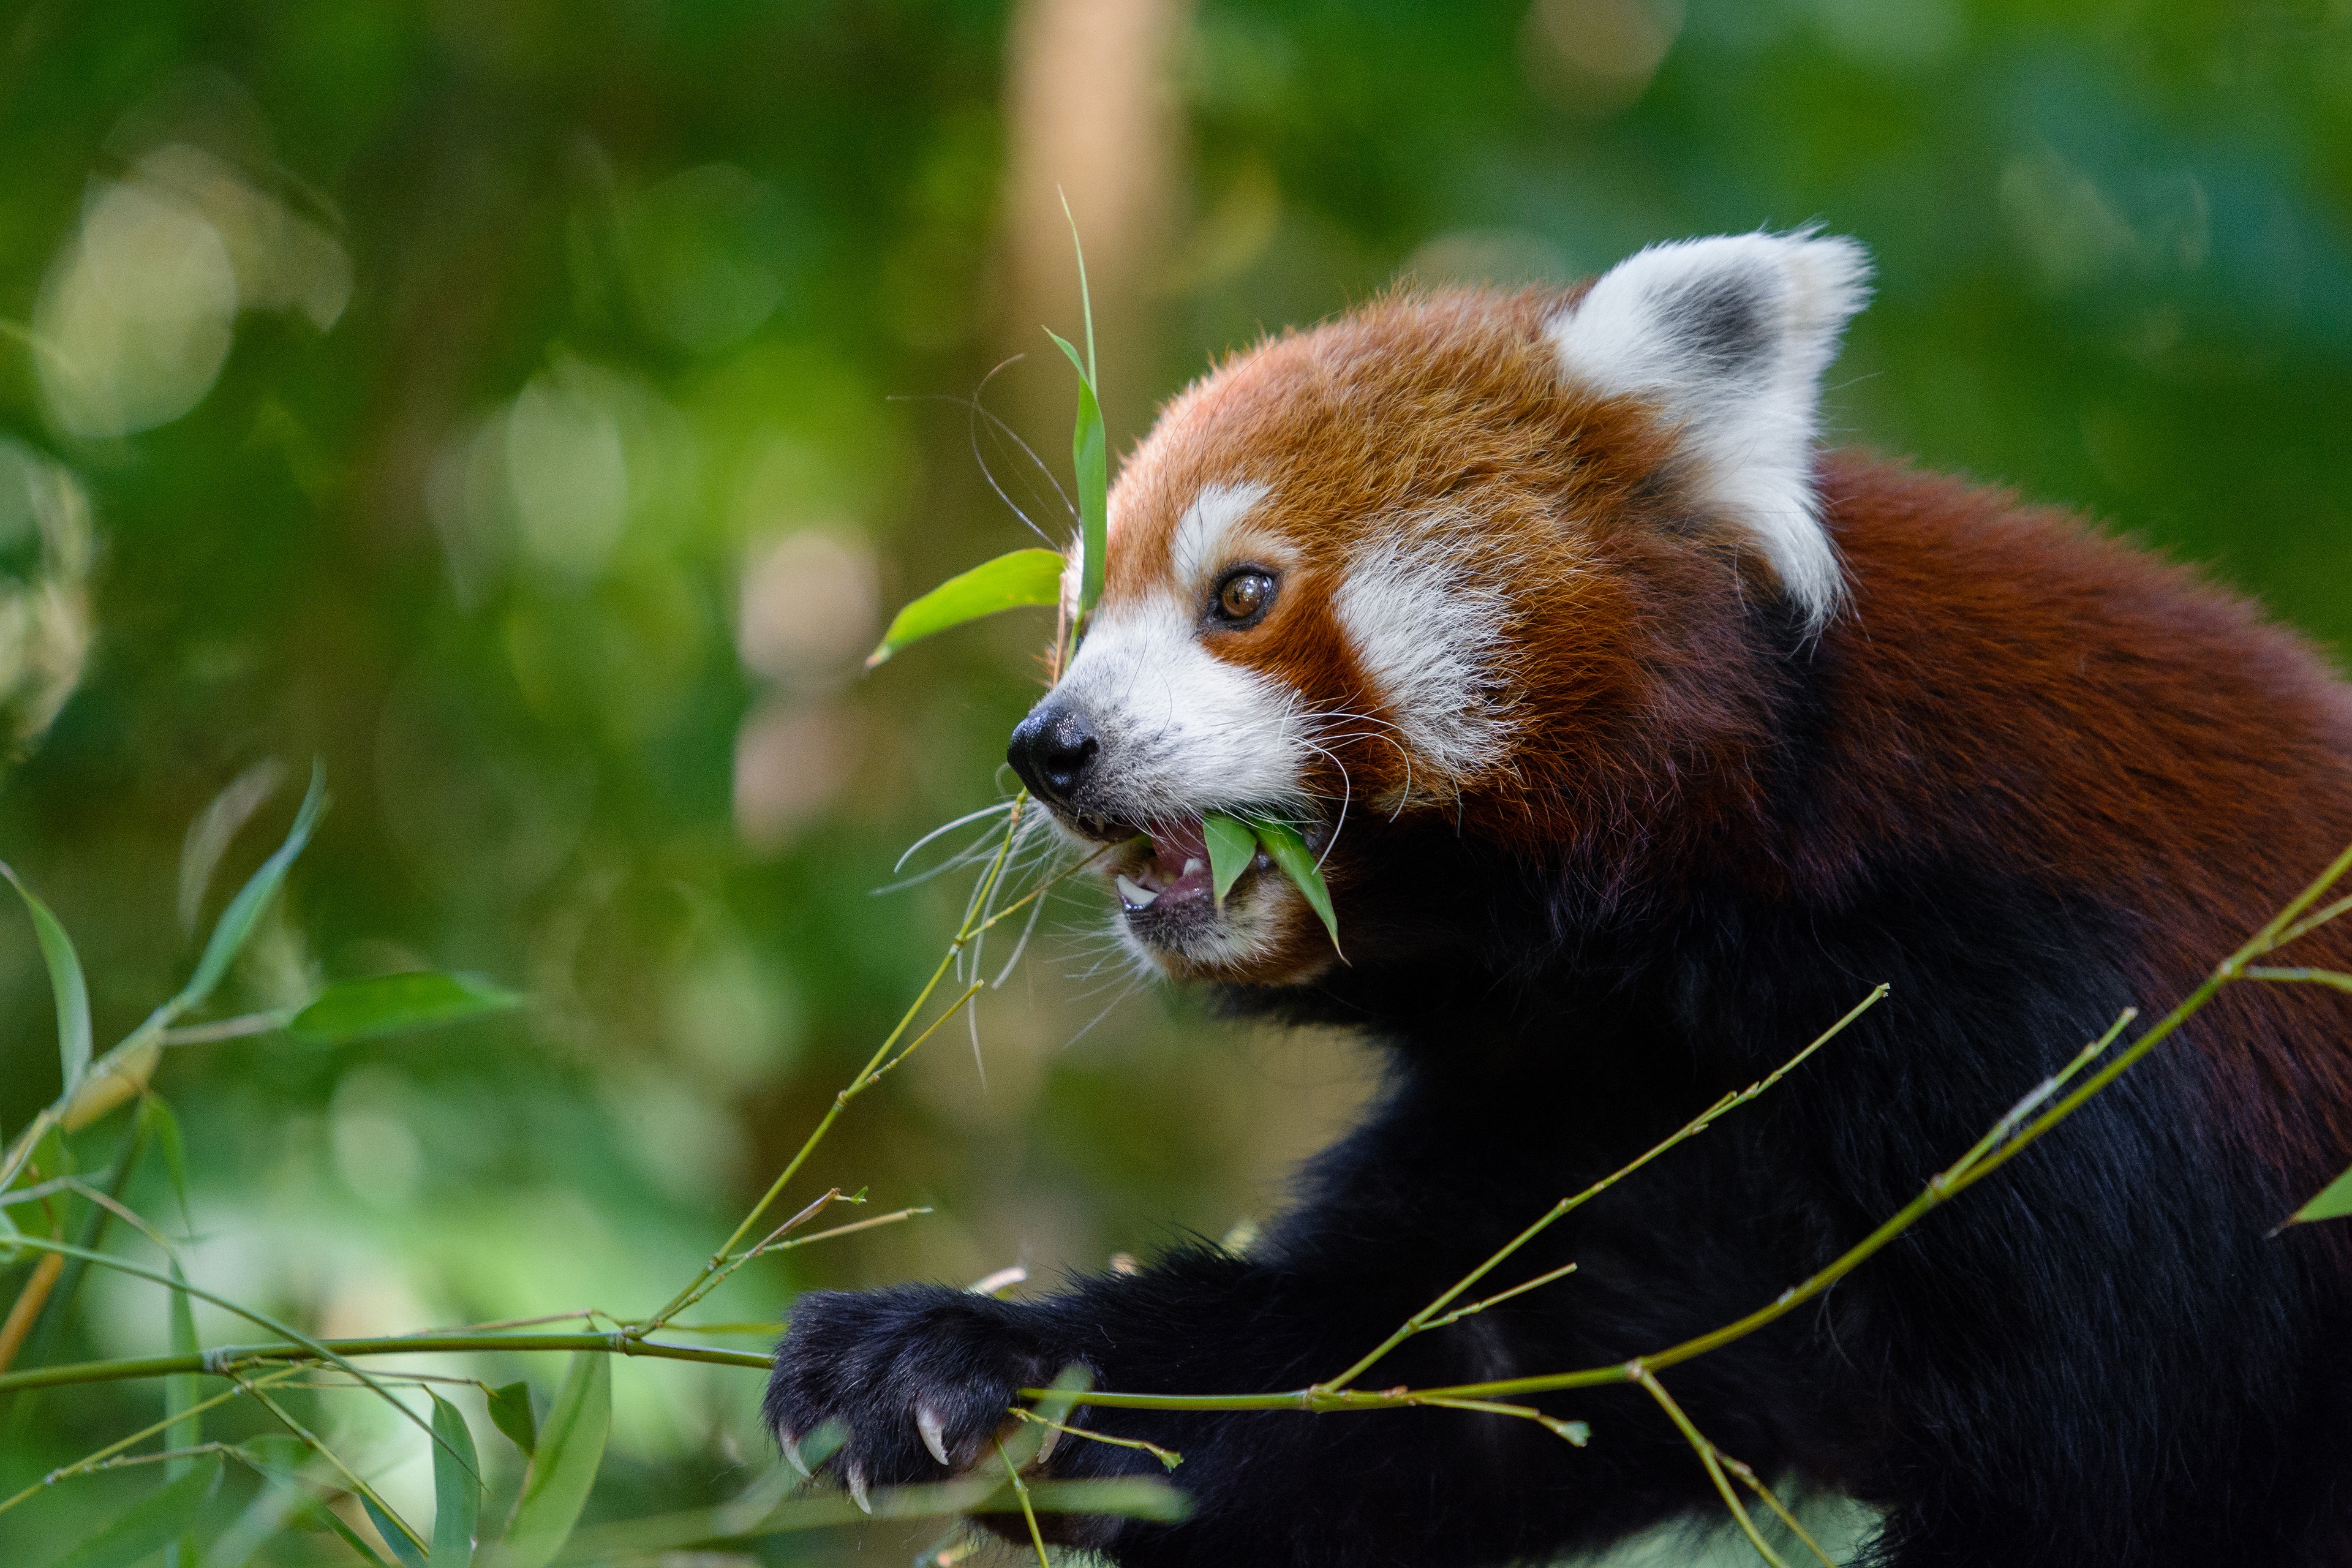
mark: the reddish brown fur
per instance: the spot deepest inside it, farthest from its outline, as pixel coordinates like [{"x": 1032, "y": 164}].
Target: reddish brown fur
[{"x": 2178, "y": 745}]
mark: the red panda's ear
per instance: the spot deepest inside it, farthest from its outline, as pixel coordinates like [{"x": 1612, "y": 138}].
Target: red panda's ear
[{"x": 1729, "y": 336}]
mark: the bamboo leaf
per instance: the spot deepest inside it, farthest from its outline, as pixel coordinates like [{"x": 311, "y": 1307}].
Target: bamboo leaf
[
  {"x": 182, "y": 1390},
  {"x": 571, "y": 1448},
  {"x": 640, "y": 1540},
  {"x": 1008, "y": 582},
  {"x": 165, "y": 1126},
  {"x": 148, "y": 1525},
  {"x": 1129, "y": 1497},
  {"x": 457, "y": 1488},
  {"x": 510, "y": 1414},
  {"x": 217, "y": 827},
  {"x": 2334, "y": 1202},
  {"x": 393, "y": 1535},
  {"x": 237, "y": 921},
  {"x": 1298, "y": 862},
  {"x": 1085, "y": 295},
  {"x": 394, "y": 1004},
  {"x": 354, "y": 1540},
  {"x": 65, "y": 983},
  {"x": 1089, "y": 463},
  {"x": 1233, "y": 845}
]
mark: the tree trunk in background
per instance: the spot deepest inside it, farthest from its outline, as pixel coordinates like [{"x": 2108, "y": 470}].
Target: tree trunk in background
[{"x": 1091, "y": 114}]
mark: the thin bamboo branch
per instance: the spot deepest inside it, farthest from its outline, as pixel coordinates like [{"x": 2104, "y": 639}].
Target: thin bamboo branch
[
  {"x": 317, "y": 1446},
  {"x": 1168, "y": 1458},
  {"x": 1422, "y": 1321},
  {"x": 1709, "y": 1457},
  {"x": 219, "y": 1362},
  {"x": 1755, "y": 1485},
  {"x": 235, "y": 1029},
  {"x": 1021, "y": 1490},
  {"x": 90, "y": 1461},
  {"x": 1455, "y": 1316}
]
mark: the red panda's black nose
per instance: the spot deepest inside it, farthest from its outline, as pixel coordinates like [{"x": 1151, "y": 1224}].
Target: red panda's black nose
[{"x": 1052, "y": 749}]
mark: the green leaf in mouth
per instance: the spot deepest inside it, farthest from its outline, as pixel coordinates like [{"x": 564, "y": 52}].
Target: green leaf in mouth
[
  {"x": 1233, "y": 841},
  {"x": 1233, "y": 845}
]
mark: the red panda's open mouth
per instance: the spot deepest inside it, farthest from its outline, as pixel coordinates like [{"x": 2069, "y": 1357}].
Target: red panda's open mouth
[{"x": 1168, "y": 868}]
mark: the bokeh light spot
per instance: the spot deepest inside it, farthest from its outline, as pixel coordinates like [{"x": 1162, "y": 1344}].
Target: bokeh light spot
[
  {"x": 1595, "y": 58},
  {"x": 706, "y": 252},
  {"x": 133, "y": 322},
  {"x": 809, "y": 607}
]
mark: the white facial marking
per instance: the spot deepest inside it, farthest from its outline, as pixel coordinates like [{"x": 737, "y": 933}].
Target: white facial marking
[
  {"x": 1731, "y": 336},
  {"x": 1205, "y": 541},
  {"x": 1181, "y": 730},
  {"x": 1256, "y": 915},
  {"x": 1426, "y": 627}
]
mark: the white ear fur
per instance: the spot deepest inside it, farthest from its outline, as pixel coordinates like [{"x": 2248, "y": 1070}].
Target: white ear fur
[{"x": 1730, "y": 337}]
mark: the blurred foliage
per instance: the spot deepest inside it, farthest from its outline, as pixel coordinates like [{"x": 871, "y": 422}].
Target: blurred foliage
[{"x": 529, "y": 411}]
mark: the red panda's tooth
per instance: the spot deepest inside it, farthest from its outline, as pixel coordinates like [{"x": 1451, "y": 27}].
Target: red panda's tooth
[{"x": 1134, "y": 896}]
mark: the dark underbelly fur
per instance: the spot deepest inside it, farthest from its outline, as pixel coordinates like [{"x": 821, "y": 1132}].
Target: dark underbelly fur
[{"x": 2095, "y": 1358}]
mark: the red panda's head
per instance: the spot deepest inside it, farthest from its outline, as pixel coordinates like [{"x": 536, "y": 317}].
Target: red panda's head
[{"x": 1471, "y": 564}]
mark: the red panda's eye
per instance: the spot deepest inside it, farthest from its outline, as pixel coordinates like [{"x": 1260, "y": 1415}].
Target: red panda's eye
[{"x": 1244, "y": 595}]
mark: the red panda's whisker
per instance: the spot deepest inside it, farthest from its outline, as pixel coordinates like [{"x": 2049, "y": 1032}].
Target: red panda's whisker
[
  {"x": 1385, "y": 730},
  {"x": 1347, "y": 796},
  {"x": 899, "y": 863}
]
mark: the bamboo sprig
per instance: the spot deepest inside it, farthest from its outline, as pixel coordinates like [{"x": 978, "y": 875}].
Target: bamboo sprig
[
  {"x": 1712, "y": 1459},
  {"x": 981, "y": 915},
  {"x": 1169, "y": 1458},
  {"x": 317, "y": 1349},
  {"x": 236, "y": 1028},
  {"x": 123, "y": 1070},
  {"x": 221, "y": 1360},
  {"x": 1575, "y": 1433},
  {"x": 1428, "y": 1319},
  {"x": 317, "y": 1445},
  {"x": 95, "y": 1460},
  {"x": 1755, "y": 1485},
  {"x": 2329, "y": 977},
  {"x": 1521, "y": 1288},
  {"x": 1028, "y": 1509},
  {"x": 629, "y": 1338}
]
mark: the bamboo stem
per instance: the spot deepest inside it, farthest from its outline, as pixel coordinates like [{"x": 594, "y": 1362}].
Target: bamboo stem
[{"x": 217, "y": 1362}]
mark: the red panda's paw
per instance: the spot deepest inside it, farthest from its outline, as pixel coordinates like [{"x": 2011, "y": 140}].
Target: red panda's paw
[{"x": 917, "y": 1381}]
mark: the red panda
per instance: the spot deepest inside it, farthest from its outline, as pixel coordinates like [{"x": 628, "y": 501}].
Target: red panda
[{"x": 1640, "y": 739}]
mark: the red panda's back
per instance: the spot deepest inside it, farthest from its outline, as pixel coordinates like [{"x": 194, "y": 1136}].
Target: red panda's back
[{"x": 2008, "y": 686}]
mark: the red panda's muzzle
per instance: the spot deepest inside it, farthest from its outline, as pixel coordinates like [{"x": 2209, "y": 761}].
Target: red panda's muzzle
[{"x": 1115, "y": 777}]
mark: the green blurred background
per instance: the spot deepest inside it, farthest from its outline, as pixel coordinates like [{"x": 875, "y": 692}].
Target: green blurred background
[{"x": 532, "y": 410}]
